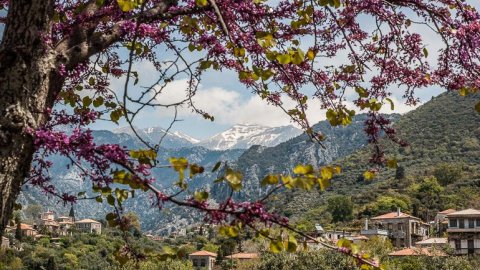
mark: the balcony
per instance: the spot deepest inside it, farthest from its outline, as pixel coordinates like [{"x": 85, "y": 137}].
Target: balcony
[
  {"x": 461, "y": 230},
  {"x": 373, "y": 232}
]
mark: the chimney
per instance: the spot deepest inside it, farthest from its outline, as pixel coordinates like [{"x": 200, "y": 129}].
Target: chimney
[
  {"x": 366, "y": 224},
  {"x": 398, "y": 211}
]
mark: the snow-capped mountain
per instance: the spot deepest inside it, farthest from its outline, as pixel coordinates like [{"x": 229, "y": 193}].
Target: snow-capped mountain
[
  {"x": 153, "y": 135},
  {"x": 242, "y": 136}
]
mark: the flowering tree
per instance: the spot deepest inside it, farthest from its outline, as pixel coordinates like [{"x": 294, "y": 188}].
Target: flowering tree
[{"x": 57, "y": 59}]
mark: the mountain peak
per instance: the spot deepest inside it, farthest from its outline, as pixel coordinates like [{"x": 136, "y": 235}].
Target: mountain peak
[{"x": 242, "y": 136}]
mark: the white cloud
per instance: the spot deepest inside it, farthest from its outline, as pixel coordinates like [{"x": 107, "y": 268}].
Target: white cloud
[{"x": 229, "y": 107}]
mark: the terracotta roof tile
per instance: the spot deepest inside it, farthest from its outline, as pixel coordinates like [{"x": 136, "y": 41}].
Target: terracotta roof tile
[
  {"x": 24, "y": 226},
  {"x": 417, "y": 252},
  {"x": 204, "y": 253},
  {"x": 393, "y": 215},
  {"x": 243, "y": 256}
]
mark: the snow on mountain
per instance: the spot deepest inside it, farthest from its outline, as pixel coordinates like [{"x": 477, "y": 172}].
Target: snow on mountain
[
  {"x": 153, "y": 135},
  {"x": 242, "y": 136},
  {"x": 186, "y": 137}
]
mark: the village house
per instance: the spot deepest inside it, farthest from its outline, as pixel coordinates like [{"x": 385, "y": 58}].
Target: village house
[
  {"x": 27, "y": 230},
  {"x": 154, "y": 237},
  {"x": 203, "y": 259},
  {"x": 5, "y": 243},
  {"x": 464, "y": 231},
  {"x": 47, "y": 223},
  {"x": 373, "y": 232},
  {"x": 403, "y": 230},
  {"x": 66, "y": 225},
  {"x": 89, "y": 226},
  {"x": 441, "y": 222}
]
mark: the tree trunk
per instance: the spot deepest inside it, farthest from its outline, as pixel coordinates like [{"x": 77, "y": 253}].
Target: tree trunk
[{"x": 29, "y": 83}]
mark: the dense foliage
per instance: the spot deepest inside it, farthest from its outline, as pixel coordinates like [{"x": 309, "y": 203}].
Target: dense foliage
[{"x": 59, "y": 57}]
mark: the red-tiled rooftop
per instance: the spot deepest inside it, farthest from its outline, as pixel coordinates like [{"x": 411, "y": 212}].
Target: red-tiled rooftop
[
  {"x": 203, "y": 253},
  {"x": 417, "y": 252},
  {"x": 24, "y": 226},
  {"x": 394, "y": 215},
  {"x": 243, "y": 256}
]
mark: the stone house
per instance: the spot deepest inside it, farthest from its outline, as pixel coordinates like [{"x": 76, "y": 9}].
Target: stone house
[
  {"x": 403, "y": 229},
  {"x": 203, "y": 259},
  {"x": 89, "y": 226},
  {"x": 464, "y": 231}
]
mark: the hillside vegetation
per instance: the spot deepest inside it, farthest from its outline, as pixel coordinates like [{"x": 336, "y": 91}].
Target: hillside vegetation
[{"x": 439, "y": 169}]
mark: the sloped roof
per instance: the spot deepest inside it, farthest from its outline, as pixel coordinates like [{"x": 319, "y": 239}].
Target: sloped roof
[
  {"x": 243, "y": 256},
  {"x": 87, "y": 220},
  {"x": 432, "y": 241},
  {"x": 417, "y": 252},
  {"x": 203, "y": 253},
  {"x": 466, "y": 212},
  {"x": 448, "y": 211},
  {"x": 393, "y": 215},
  {"x": 24, "y": 226}
]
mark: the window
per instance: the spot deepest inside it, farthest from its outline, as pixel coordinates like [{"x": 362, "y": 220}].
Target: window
[
  {"x": 458, "y": 244},
  {"x": 471, "y": 223},
  {"x": 202, "y": 263},
  {"x": 399, "y": 226},
  {"x": 453, "y": 223},
  {"x": 478, "y": 222},
  {"x": 195, "y": 262},
  {"x": 461, "y": 223}
]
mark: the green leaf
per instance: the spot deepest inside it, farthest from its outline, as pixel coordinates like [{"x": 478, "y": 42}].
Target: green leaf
[
  {"x": 345, "y": 243},
  {"x": 99, "y": 199},
  {"x": 195, "y": 169},
  {"x": 303, "y": 169},
  {"x": 201, "y": 3},
  {"x": 392, "y": 106},
  {"x": 369, "y": 175},
  {"x": 298, "y": 57},
  {"x": 270, "y": 180},
  {"x": 91, "y": 81},
  {"x": 310, "y": 54},
  {"x": 217, "y": 165},
  {"x": 392, "y": 163},
  {"x": 425, "y": 52},
  {"x": 98, "y": 102},
  {"x": 200, "y": 196},
  {"x": 284, "y": 59},
  {"x": 86, "y": 101},
  {"x": 110, "y": 200},
  {"x": 110, "y": 216},
  {"x": 234, "y": 179},
  {"x": 292, "y": 244},
  {"x": 477, "y": 107},
  {"x": 229, "y": 231},
  {"x": 276, "y": 246},
  {"x": 361, "y": 91},
  {"x": 326, "y": 173},
  {"x": 128, "y": 5}
]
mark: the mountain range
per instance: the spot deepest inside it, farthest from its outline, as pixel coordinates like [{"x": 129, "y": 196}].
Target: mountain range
[
  {"x": 256, "y": 151},
  {"x": 240, "y": 136}
]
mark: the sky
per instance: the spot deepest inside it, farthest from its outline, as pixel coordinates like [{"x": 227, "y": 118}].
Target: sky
[{"x": 223, "y": 96}]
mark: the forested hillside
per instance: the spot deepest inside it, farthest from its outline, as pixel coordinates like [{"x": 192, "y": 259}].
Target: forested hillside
[{"x": 439, "y": 169}]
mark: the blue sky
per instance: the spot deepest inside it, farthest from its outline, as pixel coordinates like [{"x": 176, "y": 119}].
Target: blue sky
[{"x": 230, "y": 102}]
